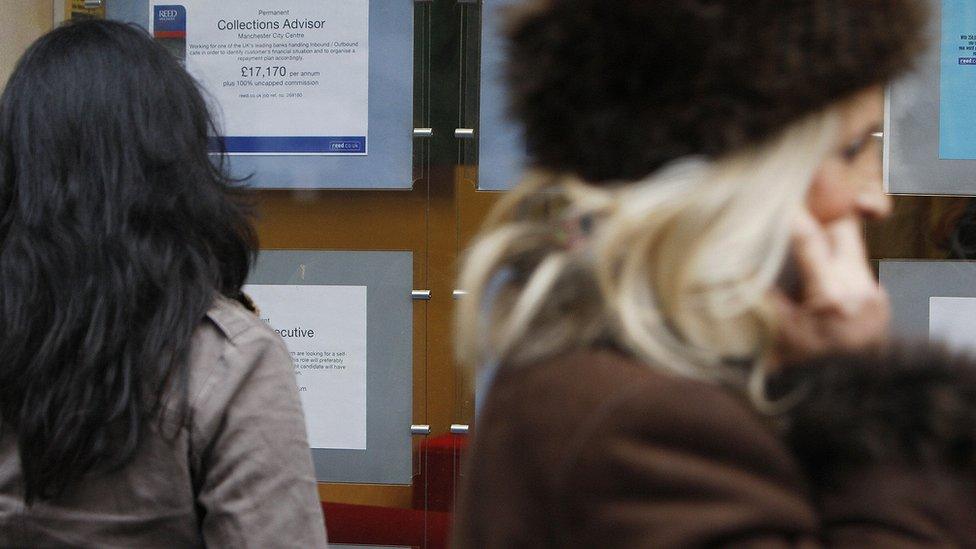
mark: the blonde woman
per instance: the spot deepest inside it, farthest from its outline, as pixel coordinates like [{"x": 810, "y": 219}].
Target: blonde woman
[{"x": 691, "y": 223}]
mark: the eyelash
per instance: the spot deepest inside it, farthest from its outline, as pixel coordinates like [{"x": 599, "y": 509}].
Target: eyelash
[{"x": 850, "y": 152}]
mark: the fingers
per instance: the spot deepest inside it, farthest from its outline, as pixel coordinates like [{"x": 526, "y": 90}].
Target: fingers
[
  {"x": 842, "y": 305},
  {"x": 803, "y": 332},
  {"x": 847, "y": 240},
  {"x": 811, "y": 252},
  {"x": 796, "y": 335},
  {"x": 853, "y": 280},
  {"x": 832, "y": 263}
]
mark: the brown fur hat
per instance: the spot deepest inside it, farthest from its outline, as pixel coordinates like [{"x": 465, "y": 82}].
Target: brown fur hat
[{"x": 614, "y": 89}]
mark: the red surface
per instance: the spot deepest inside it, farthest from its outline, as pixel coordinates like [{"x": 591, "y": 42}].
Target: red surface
[
  {"x": 439, "y": 460},
  {"x": 367, "y": 524},
  {"x": 440, "y": 469}
]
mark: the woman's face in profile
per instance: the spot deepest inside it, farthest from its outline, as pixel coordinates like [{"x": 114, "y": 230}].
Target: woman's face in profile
[
  {"x": 849, "y": 181},
  {"x": 840, "y": 304}
]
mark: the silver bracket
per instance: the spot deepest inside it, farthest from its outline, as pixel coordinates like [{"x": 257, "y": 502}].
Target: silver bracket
[
  {"x": 458, "y": 294},
  {"x": 464, "y": 133},
  {"x": 92, "y": 4},
  {"x": 420, "y": 295},
  {"x": 423, "y": 132},
  {"x": 878, "y": 135},
  {"x": 420, "y": 429},
  {"x": 459, "y": 429}
]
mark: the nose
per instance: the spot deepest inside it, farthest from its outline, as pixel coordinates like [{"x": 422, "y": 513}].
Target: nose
[{"x": 872, "y": 202}]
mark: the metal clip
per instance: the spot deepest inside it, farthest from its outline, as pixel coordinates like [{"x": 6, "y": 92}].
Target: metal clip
[
  {"x": 420, "y": 295},
  {"x": 459, "y": 429},
  {"x": 464, "y": 133},
  {"x": 92, "y": 4},
  {"x": 423, "y": 132},
  {"x": 878, "y": 135},
  {"x": 458, "y": 294},
  {"x": 420, "y": 429}
]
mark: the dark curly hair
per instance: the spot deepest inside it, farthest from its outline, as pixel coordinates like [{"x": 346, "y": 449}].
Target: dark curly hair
[
  {"x": 117, "y": 232},
  {"x": 611, "y": 90}
]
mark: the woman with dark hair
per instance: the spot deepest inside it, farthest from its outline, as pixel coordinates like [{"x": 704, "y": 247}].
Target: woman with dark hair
[
  {"x": 691, "y": 225},
  {"x": 141, "y": 403}
]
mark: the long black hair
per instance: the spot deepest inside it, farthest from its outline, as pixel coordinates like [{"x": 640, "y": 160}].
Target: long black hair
[{"x": 117, "y": 232}]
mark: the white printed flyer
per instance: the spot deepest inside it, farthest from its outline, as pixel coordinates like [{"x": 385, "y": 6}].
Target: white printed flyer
[
  {"x": 952, "y": 321},
  {"x": 285, "y": 76},
  {"x": 324, "y": 328}
]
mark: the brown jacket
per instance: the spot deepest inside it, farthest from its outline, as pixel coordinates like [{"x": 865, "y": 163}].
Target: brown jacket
[
  {"x": 597, "y": 450},
  {"x": 238, "y": 473}
]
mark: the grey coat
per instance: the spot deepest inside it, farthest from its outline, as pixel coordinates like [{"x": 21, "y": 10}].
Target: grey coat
[{"x": 235, "y": 472}]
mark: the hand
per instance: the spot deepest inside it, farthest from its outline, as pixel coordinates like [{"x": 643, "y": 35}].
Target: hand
[{"x": 840, "y": 305}]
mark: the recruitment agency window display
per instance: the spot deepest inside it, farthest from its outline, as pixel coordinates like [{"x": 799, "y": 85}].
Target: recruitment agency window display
[
  {"x": 308, "y": 94},
  {"x": 501, "y": 145},
  {"x": 930, "y": 125},
  {"x": 957, "y": 66},
  {"x": 284, "y": 80},
  {"x": 932, "y": 299},
  {"x": 346, "y": 318},
  {"x": 324, "y": 328}
]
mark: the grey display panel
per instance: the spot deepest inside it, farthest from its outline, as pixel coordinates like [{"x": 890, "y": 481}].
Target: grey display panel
[
  {"x": 388, "y": 277},
  {"x": 911, "y": 159},
  {"x": 501, "y": 147},
  {"x": 910, "y": 284},
  {"x": 389, "y": 162}
]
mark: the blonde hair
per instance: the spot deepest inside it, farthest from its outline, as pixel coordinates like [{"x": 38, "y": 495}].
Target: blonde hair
[{"x": 674, "y": 268}]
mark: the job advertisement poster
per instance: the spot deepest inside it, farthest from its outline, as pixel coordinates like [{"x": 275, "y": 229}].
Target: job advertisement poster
[
  {"x": 952, "y": 321},
  {"x": 286, "y": 76},
  {"x": 324, "y": 328},
  {"x": 957, "y": 117}
]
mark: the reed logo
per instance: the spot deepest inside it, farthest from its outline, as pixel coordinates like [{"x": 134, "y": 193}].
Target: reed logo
[{"x": 346, "y": 146}]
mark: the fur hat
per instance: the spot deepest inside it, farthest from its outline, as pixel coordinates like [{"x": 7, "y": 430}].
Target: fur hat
[{"x": 614, "y": 89}]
